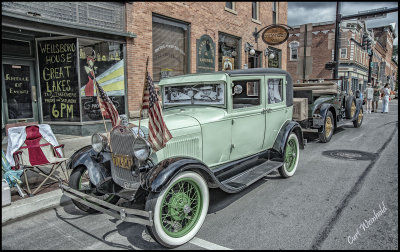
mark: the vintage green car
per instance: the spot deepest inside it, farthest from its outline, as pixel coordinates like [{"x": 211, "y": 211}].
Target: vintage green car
[{"x": 229, "y": 130}]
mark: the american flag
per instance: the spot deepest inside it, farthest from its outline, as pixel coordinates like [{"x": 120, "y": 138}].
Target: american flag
[
  {"x": 107, "y": 107},
  {"x": 159, "y": 134}
]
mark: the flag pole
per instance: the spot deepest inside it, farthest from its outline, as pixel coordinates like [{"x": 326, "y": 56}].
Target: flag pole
[
  {"x": 101, "y": 112},
  {"x": 97, "y": 94},
  {"x": 144, "y": 89}
]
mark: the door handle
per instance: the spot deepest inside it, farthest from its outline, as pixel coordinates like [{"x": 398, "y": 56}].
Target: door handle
[{"x": 268, "y": 110}]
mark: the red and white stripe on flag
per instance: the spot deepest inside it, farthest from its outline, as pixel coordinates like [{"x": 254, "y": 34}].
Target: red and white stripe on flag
[
  {"x": 107, "y": 107},
  {"x": 158, "y": 131}
]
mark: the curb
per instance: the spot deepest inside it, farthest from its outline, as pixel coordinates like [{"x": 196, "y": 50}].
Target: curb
[{"x": 22, "y": 208}]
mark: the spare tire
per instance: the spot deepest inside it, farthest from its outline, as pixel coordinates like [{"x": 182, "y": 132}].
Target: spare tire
[{"x": 350, "y": 107}]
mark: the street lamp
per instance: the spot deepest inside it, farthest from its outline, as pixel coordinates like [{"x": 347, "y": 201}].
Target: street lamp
[
  {"x": 249, "y": 48},
  {"x": 270, "y": 53}
]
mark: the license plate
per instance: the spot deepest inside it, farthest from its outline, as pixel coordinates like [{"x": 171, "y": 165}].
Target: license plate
[
  {"x": 318, "y": 121},
  {"x": 123, "y": 161}
]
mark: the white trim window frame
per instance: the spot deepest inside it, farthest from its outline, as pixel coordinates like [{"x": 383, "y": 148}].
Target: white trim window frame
[
  {"x": 343, "y": 55},
  {"x": 275, "y": 7},
  {"x": 256, "y": 11},
  {"x": 233, "y": 10}
]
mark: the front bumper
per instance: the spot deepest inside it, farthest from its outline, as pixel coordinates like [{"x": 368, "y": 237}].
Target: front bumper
[{"x": 122, "y": 213}]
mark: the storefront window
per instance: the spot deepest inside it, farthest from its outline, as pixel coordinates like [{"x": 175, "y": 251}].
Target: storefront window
[
  {"x": 228, "y": 52},
  {"x": 170, "y": 51},
  {"x": 102, "y": 62},
  {"x": 59, "y": 79},
  {"x": 275, "y": 62}
]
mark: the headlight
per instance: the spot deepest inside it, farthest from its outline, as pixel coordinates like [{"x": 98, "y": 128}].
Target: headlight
[
  {"x": 141, "y": 148},
  {"x": 99, "y": 142}
]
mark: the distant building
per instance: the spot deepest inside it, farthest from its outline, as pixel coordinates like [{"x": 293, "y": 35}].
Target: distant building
[
  {"x": 385, "y": 67},
  {"x": 353, "y": 59}
]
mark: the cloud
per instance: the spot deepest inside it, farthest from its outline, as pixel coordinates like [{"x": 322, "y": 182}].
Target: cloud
[{"x": 317, "y": 12}]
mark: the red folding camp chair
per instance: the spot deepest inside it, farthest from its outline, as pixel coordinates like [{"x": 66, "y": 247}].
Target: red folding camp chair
[{"x": 37, "y": 153}]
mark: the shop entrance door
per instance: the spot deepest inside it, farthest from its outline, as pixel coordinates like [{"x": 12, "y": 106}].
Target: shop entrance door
[{"x": 19, "y": 93}]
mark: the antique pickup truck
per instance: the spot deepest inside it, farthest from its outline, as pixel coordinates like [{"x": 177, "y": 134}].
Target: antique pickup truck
[
  {"x": 323, "y": 105},
  {"x": 229, "y": 130}
]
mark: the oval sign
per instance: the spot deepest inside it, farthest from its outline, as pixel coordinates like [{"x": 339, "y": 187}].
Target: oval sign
[{"x": 275, "y": 35}]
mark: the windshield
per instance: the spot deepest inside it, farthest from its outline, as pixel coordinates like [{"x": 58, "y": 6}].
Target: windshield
[{"x": 195, "y": 94}]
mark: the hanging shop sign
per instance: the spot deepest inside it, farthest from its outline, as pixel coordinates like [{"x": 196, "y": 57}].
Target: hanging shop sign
[
  {"x": 205, "y": 54},
  {"x": 59, "y": 79},
  {"x": 275, "y": 35}
]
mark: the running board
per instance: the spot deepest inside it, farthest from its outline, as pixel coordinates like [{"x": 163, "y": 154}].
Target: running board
[{"x": 248, "y": 177}]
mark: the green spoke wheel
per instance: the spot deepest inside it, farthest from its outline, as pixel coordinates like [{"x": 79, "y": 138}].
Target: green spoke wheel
[
  {"x": 179, "y": 210},
  {"x": 291, "y": 156}
]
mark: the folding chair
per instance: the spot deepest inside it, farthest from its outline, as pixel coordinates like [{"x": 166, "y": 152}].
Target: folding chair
[{"x": 37, "y": 153}]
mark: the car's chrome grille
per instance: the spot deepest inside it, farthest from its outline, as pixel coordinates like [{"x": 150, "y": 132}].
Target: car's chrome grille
[{"x": 122, "y": 139}]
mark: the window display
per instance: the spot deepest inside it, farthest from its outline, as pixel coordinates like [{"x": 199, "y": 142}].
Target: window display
[
  {"x": 18, "y": 91},
  {"x": 59, "y": 79},
  {"x": 228, "y": 52},
  {"x": 102, "y": 62},
  {"x": 169, "y": 48}
]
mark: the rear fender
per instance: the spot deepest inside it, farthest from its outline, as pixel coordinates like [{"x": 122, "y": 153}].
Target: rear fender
[
  {"x": 164, "y": 171},
  {"x": 280, "y": 142},
  {"x": 97, "y": 164},
  {"x": 324, "y": 110}
]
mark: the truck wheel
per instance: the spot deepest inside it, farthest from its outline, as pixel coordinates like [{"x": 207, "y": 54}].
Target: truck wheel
[
  {"x": 79, "y": 180},
  {"x": 350, "y": 107},
  {"x": 325, "y": 132},
  {"x": 291, "y": 156},
  {"x": 179, "y": 209},
  {"x": 357, "y": 123}
]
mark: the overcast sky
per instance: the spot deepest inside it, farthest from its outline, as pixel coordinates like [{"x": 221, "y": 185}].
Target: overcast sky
[{"x": 316, "y": 12}]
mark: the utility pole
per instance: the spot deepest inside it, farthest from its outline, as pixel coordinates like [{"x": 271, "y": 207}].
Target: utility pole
[
  {"x": 337, "y": 34},
  {"x": 370, "y": 66}
]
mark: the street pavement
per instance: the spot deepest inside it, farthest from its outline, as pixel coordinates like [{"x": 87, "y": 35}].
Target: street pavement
[{"x": 330, "y": 203}]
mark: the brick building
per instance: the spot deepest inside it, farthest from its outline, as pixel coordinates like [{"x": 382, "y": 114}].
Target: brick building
[
  {"x": 385, "y": 68},
  {"x": 353, "y": 59},
  {"x": 53, "y": 51},
  {"x": 173, "y": 30}
]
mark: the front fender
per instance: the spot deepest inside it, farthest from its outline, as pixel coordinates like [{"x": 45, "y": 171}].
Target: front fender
[
  {"x": 96, "y": 164},
  {"x": 164, "y": 171},
  {"x": 280, "y": 142}
]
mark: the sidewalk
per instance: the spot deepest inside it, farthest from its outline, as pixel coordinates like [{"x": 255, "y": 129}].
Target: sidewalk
[{"x": 50, "y": 196}]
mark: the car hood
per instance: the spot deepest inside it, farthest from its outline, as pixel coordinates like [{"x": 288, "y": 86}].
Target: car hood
[
  {"x": 201, "y": 114},
  {"x": 177, "y": 124}
]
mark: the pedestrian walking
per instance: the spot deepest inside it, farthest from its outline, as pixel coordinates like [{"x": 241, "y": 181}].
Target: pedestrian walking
[
  {"x": 375, "y": 98},
  {"x": 385, "y": 99},
  {"x": 369, "y": 95}
]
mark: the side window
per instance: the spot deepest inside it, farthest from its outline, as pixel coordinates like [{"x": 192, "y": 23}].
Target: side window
[
  {"x": 275, "y": 87},
  {"x": 246, "y": 93}
]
